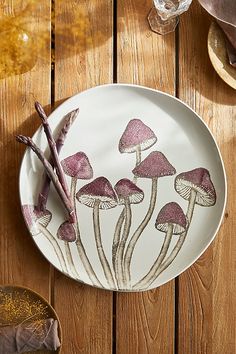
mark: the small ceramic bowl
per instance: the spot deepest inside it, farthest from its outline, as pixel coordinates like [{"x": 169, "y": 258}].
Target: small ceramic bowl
[{"x": 218, "y": 55}]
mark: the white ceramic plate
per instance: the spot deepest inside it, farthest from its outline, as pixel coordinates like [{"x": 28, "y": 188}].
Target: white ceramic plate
[{"x": 178, "y": 195}]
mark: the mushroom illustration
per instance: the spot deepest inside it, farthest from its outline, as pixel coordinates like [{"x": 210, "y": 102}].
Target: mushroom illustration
[
  {"x": 128, "y": 193},
  {"x": 67, "y": 233},
  {"x": 154, "y": 166},
  {"x": 196, "y": 187},
  {"x": 99, "y": 194},
  {"x": 171, "y": 220},
  {"x": 136, "y": 138},
  {"x": 77, "y": 166},
  {"x": 37, "y": 222}
]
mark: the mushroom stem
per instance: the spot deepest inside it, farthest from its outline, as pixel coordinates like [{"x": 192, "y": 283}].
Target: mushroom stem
[
  {"x": 138, "y": 155},
  {"x": 119, "y": 271},
  {"x": 151, "y": 275},
  {"x": 117, "y": 236},
  {"x": 138, "y": 232},
  {"x": 138, "y": 160},
  {"x": 181, "y": 239},
  {"x": 191, "y": 205},
  {"x": 56, "y": 247},
  {"x": 70, "y": 261},
  {"x": 101, "y": 253},
  {"x": 79, "y": 245},
  {"x": 73, "y": 186}
]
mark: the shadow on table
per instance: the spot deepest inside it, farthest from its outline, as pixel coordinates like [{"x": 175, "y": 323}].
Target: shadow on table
[
  {"x": 75, "y": 29},
  {"x": 79, "y": 28}
]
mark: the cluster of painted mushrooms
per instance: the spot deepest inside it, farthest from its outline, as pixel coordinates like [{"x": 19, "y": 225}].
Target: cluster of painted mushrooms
[{"x": 194, "y": 186}]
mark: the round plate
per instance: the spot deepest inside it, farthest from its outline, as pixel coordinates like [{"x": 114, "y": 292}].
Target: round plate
[
  {"x": 218, "y": 55},
  {"x": 171, "y": 190},
  {"x": 19, "y": 304}
]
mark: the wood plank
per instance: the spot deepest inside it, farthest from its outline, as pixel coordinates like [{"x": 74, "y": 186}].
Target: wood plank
[
  {"x": 21, "y": 262},
  {"x": 144, "y": 321},
  {"x": 207, "y": 310},
  {"x": 83, "y": 56}
]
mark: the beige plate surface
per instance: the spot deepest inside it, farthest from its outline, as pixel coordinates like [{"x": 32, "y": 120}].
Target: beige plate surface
[
  {"x": 19, "y": 303},
  {"x": 218, "y": 55}
]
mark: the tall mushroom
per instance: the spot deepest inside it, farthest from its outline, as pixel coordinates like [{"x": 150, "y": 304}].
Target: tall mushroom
[
  {"x": 154, "y": 166},
  {"x": 128, "y": 193},
  {"x": 67, "y": 233},
  {"x": 77, "y": 166},
  {"x": 196, "y": 187},
  {"x": 37, "y": 222},
  {"x": 136, "y": 138},
  {"x": 99, "y": 194},
  {"x": 172, "y": 221}
]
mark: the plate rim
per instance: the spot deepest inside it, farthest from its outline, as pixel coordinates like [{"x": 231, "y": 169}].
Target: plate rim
[{"x": 53, "y": 115}]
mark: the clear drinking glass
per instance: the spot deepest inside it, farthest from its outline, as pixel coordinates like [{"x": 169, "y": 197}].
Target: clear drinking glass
[{"x": 164, "y": 16}]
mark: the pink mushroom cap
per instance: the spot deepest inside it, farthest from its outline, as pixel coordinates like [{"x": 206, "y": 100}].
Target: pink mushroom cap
[
  {"x": 136, "y": 134},
  {"x": 33, "y": 217},
  {"x": 100, "y": 190},
  {"x": 127, "y": 190},
  {"x": 171, "y": 214},
  {"x": 198, "y": 179},
  {"x": 66, "y": 232},
  {"x": 77, "y": 166},
  {"x": 155, "y": 165}
]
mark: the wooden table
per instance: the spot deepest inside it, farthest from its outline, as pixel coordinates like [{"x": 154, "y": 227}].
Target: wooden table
[{"x": 105, "y": 41}]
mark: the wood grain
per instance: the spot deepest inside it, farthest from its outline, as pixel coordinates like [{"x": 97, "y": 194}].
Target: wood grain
[
  {"x": 207, "y": 311},
  {"x": 20, "y": 261},
  {"x": 83, "y": 54},
  {"x": 144, "y": 321}
]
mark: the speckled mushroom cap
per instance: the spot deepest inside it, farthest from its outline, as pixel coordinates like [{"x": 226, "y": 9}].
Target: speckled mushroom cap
[
  {"x": 155, "y": 165},
  {"x": 98, "y": 190},
  {"x": 127, "y": 190},
  {"x": 66, "y": 232},
  {"x": 198, "y": 179},
  {"x": 136, "y": 134},
  {"x": 173, "y": 214},
  {"x": 33, "y": 216},
  {"x": 77, "y": 166}
]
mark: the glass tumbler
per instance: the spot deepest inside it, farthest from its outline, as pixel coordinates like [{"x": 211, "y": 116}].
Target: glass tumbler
[{"x": 164, "y": 16}]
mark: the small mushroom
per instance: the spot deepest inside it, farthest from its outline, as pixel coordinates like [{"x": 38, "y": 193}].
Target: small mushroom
[
  {"x": 136, "y": 138},
  {"x": 67, "y": 233},
  {"x": 196, "y": 187},
  {"x": 154, "y": 166},
  {"x": 172, "y": 221},
  {"x": 99, "y": 194},
  {"x": 128, "y": 193},
  {"x": 77, "y": 166},
  {"x": 35, "y": 219},
  {"x": 37, "y": 222}
]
